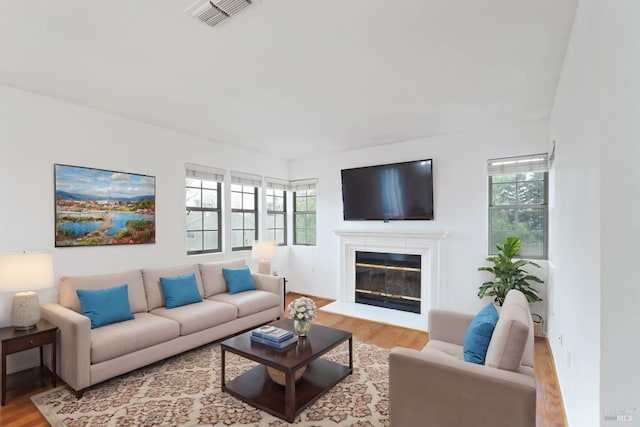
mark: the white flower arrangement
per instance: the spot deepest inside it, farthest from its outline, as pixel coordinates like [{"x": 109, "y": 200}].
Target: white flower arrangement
[{"x": 303, "y": 309}]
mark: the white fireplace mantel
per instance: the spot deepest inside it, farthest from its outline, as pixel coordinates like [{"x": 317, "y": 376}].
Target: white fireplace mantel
[{"x": 425, "y": 244}]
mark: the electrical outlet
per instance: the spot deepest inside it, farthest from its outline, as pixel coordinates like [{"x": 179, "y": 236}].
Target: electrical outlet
[{"x": 560, "y": 339}]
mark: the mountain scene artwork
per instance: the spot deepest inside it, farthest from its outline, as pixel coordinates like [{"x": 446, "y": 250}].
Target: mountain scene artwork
[{"x": 102, "y": 207}]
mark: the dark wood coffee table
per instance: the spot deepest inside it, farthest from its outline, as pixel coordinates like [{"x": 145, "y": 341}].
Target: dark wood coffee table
[{"x": 258, "y": 389}]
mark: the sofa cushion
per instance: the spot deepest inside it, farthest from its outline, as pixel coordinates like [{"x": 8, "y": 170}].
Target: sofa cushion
[
  {"x": 511, "y": 333},
  {"x": 180, "y": 290},
  {"x": 238, "y": 280},
  {"x": 105, "y": 306},
  {"x": 144, "y": 331},
  {"x": 212, "y": 277},
  {"x": 249, "y": 302},
  {"x": 151, "y": 280},
  {"x": 478, "y": 335},
  {"x": 133, "y": 279},
  {"x": 198, "y": 316}
]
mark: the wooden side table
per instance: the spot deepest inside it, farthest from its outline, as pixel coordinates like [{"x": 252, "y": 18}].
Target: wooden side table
[{"x": 14, "y": 341}]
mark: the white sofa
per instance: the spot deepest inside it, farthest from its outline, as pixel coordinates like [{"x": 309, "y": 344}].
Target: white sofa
[{"x": 90, "y": 356}]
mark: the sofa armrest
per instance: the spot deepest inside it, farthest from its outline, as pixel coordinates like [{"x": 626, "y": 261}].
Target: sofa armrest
[
  {"x": 74, "y": 344},
  {"x": 448, "y": 326},
  {"x": 431, "y": 388},
  {"x": 269, "y": 283}
]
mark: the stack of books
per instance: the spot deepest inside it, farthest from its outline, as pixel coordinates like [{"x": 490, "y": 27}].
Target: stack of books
[{"x": 273, "y": 336}]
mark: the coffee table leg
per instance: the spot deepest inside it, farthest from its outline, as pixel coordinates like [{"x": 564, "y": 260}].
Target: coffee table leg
[
  {"x": 290, "y": 397},
  {"x": 222, "y": 354},
  {"x": 351, "y": 355}
]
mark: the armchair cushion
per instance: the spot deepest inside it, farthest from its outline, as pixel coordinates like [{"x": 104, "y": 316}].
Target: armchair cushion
[
  {"x": 511, "y": 333},
  {"x": 478, "y": 336}
]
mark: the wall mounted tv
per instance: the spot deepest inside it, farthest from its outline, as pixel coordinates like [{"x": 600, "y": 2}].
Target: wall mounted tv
[{"x": 397, "y": 191}]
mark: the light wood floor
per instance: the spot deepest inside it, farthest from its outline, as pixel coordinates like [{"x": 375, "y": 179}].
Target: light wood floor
[{"x": 19, "y": 411}]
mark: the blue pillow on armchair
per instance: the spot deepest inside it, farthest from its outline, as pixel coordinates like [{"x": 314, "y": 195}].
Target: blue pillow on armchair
[{"x": 478, "y": 335}]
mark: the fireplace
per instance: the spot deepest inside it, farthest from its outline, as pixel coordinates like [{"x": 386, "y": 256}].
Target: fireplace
[
  {"x": 423, "y": 244},
  {"x": 388, "y": 280}
]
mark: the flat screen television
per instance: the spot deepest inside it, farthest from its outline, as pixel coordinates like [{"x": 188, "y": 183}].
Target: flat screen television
[{"x": 396, "y": 191}]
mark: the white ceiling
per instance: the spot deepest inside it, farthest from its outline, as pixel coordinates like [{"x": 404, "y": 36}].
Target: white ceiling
[{"x": 294, "y": 78}]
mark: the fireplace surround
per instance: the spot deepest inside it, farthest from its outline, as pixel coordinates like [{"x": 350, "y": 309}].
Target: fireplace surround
[{"x": 424, "y": 244}]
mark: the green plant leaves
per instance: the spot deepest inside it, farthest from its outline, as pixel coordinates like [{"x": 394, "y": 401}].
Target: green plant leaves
[{"x": 508, "y": 274}]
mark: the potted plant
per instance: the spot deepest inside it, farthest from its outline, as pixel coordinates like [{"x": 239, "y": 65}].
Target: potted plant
[{"x": 509, "y": 274}]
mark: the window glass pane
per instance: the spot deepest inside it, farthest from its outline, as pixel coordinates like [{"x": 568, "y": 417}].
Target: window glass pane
[
  {"x": 531, "y": 176},
  {"x": 192, "y": 196},
  {"x": 192, "y": 182},
  {"x": 209, "y": 198},
  {"x": 531, "y": 219},
  {"x": 270, "y": 203},
  {"x": 209, "y": 184},
  {"x": 504, "y": 178},
  {"x": 300, "y": 221},
  {"x": 210, "y": 220},
  {"x": 278, "y": 204},
  {"x": 248, "y": 201},
  {"x": 194, "y": 220},
  {"x": 301, "y": 236},
  {"x": 236, "y": 220},
  {"x": 236, "y": 200},
  {"x": 311, "y": 203},
  {"x": 236, "y": 238},
  {"x": 279, "y": 238},
  {"x": 280, "y": 219},
  {"x": 194, "y": 240},
  {"x": 504, "y": 194},
  {"x": 211, "y": 240},
  {"x": 271, "y": 220},
  {"x": 250, "y": 221},
  {"x": 531, "y": 193},
  {"x": 249, "y": 237},
  {"x": 502, "y": 219},
  {"x": 301, "y": 203},
  {"x": 532, "y": 244}
]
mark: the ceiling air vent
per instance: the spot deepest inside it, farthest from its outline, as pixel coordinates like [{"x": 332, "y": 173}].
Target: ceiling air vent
[{"x": 212, "y": 12}]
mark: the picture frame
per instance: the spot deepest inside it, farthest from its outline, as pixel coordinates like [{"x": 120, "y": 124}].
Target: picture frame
[{"x": 97, "y": 207}]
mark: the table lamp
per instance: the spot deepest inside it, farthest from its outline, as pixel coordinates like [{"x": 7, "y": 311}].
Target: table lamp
[
  {"x": 23, "y": 273},
  {"x": 263, "y": 251}
]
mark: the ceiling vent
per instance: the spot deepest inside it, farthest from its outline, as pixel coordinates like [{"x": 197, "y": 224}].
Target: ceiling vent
[{"x": 213, "y": 12}]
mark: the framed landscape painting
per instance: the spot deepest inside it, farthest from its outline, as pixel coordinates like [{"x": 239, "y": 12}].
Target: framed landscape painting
[{"x": 97, "y": 207}]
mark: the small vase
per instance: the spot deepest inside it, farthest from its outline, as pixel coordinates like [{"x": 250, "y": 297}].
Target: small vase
[{"x": 301, "y": 327}]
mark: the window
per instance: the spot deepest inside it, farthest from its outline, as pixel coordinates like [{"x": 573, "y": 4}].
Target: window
[
  {"x": 518, "y": 203},
  {"x": 244, "y": 216},
  {"x": 304, "y": 216},
  {"x": 277, "y": 215},
  {"x": 203, "y": 191}
]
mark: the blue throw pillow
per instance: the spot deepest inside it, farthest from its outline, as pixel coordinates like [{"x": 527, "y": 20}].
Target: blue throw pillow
[
  {"x": 180, "y": 290},
  {"x": 105, "y": 306},
  {"x": 478, "y": 335},
  {"x": 238, "y": 279}
]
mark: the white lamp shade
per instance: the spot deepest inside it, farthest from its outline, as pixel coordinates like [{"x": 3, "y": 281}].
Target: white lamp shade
[
  {"x": 26, "y": 271},
  {"x": 264, "y": 249}
]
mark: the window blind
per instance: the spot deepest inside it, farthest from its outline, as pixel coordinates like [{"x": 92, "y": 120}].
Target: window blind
[
  {"x": 278, "y": 184},
  {"x": 204, "y": 172},
  {"x": 304, "y": 184},
  {"x": 246, "y": 179},
  {"x": 520, "y": 164}
]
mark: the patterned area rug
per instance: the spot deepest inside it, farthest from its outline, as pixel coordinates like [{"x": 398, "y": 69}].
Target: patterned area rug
[{"x": 185, "y": 391}]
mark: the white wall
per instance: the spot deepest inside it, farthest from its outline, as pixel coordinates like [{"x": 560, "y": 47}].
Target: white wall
[
  {"x": 620, "y": 208},
  {"x": 36, "y": 132},
  {"x": 460, "y": 200},
  {"x": 593, "y": 295},
  {"x": 574, "y": 251}
]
